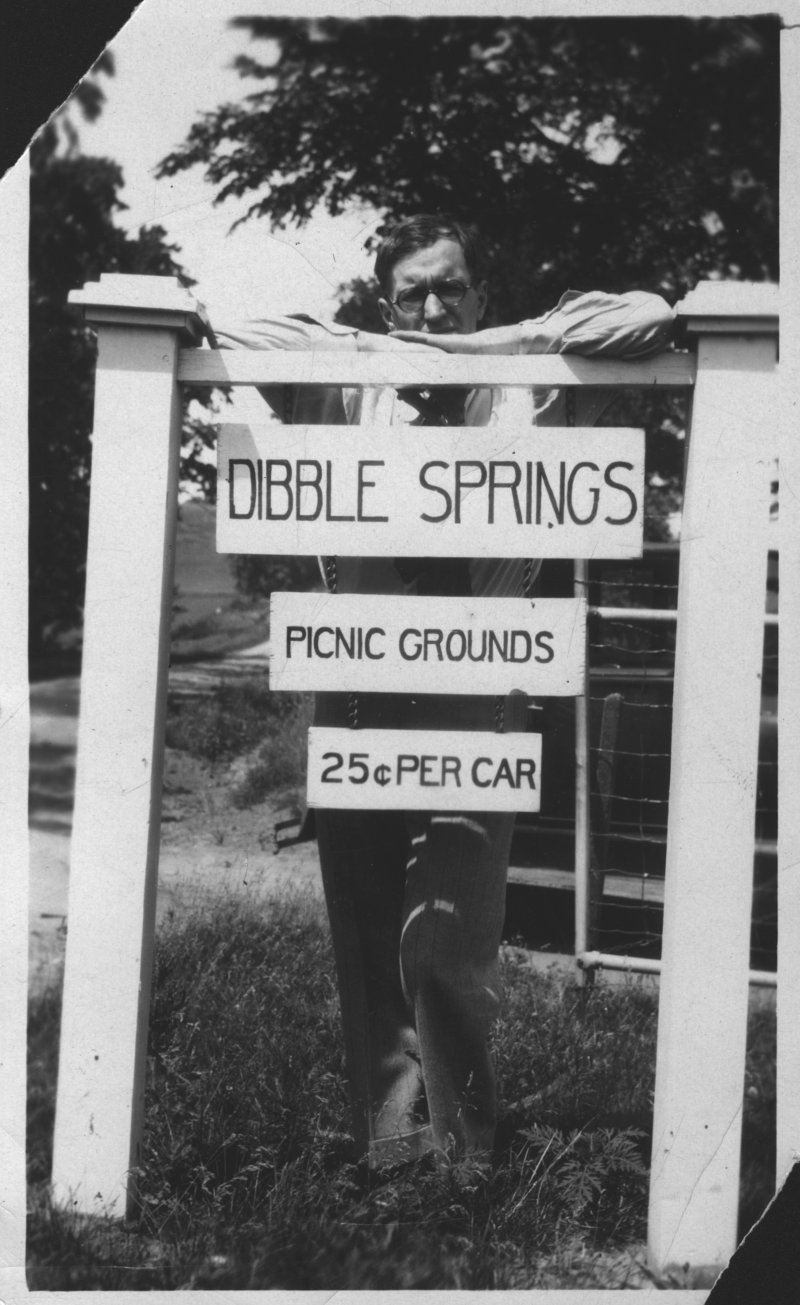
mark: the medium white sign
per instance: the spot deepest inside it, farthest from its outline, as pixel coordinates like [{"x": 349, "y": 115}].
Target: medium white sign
[
  {"x": 375, "y": 643},
  {"x": 494, "y": 491},
  {"x": 423, "y": 770}
]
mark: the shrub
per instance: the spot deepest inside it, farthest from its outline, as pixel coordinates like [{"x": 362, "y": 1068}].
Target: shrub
[
  {"x": 257, "y": 575},
  {"x": 44, "y": 1026},
  {"x": 282, "y": 759},
  {"x": 757, "y": 1184},
  {"x": 230, "y": 722},
  {"x": 198, "y": 629}
]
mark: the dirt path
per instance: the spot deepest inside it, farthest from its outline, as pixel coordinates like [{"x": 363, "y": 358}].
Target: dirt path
[{"x": 206, "y": 845}]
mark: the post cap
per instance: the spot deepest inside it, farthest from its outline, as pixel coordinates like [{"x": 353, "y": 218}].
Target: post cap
[
  {"x": 124, "y": 299},
  {"x": 731, "y": 308}
]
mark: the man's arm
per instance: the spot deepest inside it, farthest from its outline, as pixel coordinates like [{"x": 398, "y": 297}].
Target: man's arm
[
  {"x": 302, "y": 332},
  {"x": 633, "y": 325},
  {"x": 325, "y": 404}
]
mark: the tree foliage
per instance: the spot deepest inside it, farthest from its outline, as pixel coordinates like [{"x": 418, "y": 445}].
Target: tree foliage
[
  {"x": 592, "y": 153},
  {"x": 598, "y": 153},
  {"x": 73, "y": 239}
]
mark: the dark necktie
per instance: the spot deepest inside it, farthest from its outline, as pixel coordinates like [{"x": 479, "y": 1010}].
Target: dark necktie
[{"x": 443, "y": 406}]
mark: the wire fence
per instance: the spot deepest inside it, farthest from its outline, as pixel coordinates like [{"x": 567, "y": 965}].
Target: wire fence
[{"x": 631, "y": 656}]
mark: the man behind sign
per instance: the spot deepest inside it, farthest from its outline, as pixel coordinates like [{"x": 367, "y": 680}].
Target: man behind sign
[{"x": 416, "y": 899}]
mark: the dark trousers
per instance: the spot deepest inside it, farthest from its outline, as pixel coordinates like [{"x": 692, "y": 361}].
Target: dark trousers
[{"x": 416, "y": 903}]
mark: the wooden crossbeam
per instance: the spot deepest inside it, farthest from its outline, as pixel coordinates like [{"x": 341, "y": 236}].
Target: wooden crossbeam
[
  {"x": 427, "y": 367},
  {"x": 629, "y": 887}
]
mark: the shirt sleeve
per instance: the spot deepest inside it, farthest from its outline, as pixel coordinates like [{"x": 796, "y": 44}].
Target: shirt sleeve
[
  {"x": 633, "y": 325},
  {"x": 299, "y": 404},
  {"x": 298, "y": 332}
]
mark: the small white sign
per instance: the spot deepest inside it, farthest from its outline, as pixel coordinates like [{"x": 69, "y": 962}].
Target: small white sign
[
  {"x": 423, "y": 770},
  {"x": 494, "y": 491},
  {"x": 376, "y": 643}
]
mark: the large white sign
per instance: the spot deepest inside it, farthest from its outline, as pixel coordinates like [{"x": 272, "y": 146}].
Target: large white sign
[
  {"x": 377, "y": 643},
  {"x": 423, "y": 770},
  {"x": 495, "y": 491}
]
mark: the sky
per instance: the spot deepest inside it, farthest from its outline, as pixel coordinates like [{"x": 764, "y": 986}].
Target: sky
[{"x": 173, "y": 61}]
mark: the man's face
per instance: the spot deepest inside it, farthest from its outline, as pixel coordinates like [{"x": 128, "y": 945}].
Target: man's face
[{"x": 443, "y": 261}]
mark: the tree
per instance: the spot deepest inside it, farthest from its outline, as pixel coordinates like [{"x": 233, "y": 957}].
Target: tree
[
  {"x": 592, "y": 153},
  {"x": 73, "y": 238}
]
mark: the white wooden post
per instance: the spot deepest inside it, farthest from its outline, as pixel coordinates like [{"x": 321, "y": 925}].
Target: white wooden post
[
  {"x": 583, "y": 784},
  {"x": 702, "y": 1019},
  {"x": 141, "y": 322},
  {"x": 14, "y": 722},
  {"x": 788, "y": 1066}
]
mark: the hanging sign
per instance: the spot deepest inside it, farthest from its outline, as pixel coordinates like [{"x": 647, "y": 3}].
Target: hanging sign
[
  {"x": 494, "y": 491},
  {"x": 423, "y": 770},
  {"x": 376, "y": 643}
]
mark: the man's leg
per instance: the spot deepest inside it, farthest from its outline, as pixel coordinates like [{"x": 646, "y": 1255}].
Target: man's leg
[
  {"x": 453, "y": 918},
  {"x": 363, "y": 855},
  {"x": 389, "y": 901}
]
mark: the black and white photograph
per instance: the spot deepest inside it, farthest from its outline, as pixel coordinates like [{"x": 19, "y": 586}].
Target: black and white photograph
[{"x": 389, "y": 707}]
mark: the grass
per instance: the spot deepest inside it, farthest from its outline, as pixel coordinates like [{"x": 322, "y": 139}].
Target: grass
[
  {"x": 247, "y": 1178},
  {"x": 248, "y": 1181},
  {"x": 757, "y": 1181}
]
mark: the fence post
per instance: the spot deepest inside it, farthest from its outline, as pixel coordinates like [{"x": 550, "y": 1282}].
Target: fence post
[
  {"x": 702, "y": 1019},
  {"x": 788, "y": 1066},
  {"x": 141, "y": 322}
]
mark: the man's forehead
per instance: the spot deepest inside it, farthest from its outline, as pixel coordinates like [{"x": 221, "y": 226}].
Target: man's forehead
[{"x": 444, "y": 257}]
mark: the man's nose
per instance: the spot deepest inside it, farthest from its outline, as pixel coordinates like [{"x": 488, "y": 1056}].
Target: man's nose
[{"x": 433, "y": 308}]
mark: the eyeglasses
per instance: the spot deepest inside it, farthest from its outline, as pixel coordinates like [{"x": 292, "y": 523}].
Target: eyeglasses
[{"x": 449, "y": 293}]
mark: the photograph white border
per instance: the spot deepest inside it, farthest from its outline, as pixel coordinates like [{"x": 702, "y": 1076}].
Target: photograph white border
[{"x": 13, "y": 598}]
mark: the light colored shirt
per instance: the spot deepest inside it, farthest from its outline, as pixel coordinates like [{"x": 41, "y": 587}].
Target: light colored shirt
[{"x": 596, "y": 325}]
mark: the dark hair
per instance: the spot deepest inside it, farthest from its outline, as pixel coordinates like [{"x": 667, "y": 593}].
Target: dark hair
[{"x": 420, "y": 232}]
